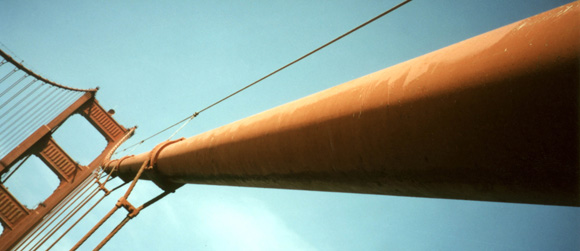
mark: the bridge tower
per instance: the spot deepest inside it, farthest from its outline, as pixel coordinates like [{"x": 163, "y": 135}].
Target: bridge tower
[{"x": 35, "y": 109}]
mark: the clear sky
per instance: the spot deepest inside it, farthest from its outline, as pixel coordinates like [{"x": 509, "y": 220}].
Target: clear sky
[{"x": 157, "y": 62}]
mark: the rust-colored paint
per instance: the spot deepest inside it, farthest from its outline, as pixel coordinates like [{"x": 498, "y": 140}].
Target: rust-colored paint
[
  {"x": 492, "y": 118},
  {"x": 20, "y": 150},
  {"x": 17, "y": 220}
]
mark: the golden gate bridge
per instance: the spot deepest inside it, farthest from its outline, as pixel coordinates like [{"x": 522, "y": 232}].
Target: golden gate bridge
[{"x": 491, "y": 118}]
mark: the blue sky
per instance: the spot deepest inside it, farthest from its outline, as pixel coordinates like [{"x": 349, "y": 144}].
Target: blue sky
[{"x": 158, "y": 62}]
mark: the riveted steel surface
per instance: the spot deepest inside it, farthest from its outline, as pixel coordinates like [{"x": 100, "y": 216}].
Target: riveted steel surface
[
  {"x": 492, "y": 118},
  {"x": 11, "y": 211},
  {"x": 58, "y": 160}
]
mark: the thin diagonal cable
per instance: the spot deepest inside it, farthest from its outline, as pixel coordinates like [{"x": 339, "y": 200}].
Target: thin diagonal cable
[
  {"x": 41, "y": 102},
  {"x": 181, "y": 127},
  {"x": 40, "y": 98},
  {"x": 58, "y": 105},
  {"x": 132, "y": 148},
  {"x": 127, "y": 218},
  {"x": 44, "y": 118},
  {"x": 57, "y": 209},
  {"x": 25, "y": 106},
  {"x": 53, "y": 213},
  {"x": 110, "y": 235},
  {"x": 63, "y": 103},
  {"x": 47, "y": 222},
  {"x": 28, "y": 120},
  {"x": 66, "y": 102},
  {"x": 64, "y": 220},
  {"x": 14, "y": 84},
  {"x": 307, "y": 54},
  {"x": 26, "y": 97},
  {"x": 14, "y": 96},
  {"x": 74, "y": 200},
  {"x": 44, "y": 103},
  {"x": 85, "y": 214},
  {"x": 48, "y": 110},
  {"x": 15, "y": 169},
  {"x": 17, "y": 132},
  {"x": 17, "y": 93},
  {"x": 114, "y": 209},
  {"x": 97, "y": 226},
  {"x": 29, "y": 72},
  {"x": 8, "y": 75},
  {"x": 152, "y": 136},
  {"x": 276, "y": 71}
]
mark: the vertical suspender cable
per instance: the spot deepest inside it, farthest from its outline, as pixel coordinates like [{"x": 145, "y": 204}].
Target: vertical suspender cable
[
  {"x": 64, "y": 102},
  {"x": 112, "y": 211},
  {"x": 27, "y": 108},
  {"x": 8, "y": 75},
  {"x": 12, "y": 86},
  {"x": 64, "y": 209},
  {"x": 127, "y": 218},
  {"x": 64, "y": 220},
  {"x": 18, "y": 131},
  {"x": 15, "y": 169},
  {"x": 40, "y": 99},
  {"x": 12, "y": 125},
  {"x": 26, "y": 97},
  {"x": 69, "y": 215},
  {"x": 53, "y": 213},
  {"x": 85, "y": 214},
  {"x": 48, "y": 109},
  {"x": 44, "y": 102},
  {"x": 18, "y": 93}
]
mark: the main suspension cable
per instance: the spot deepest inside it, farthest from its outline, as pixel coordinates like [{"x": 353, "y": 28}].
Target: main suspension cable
[{"x": 272, "y": 73}]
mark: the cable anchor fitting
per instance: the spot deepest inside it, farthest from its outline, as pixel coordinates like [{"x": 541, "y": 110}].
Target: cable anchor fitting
[{"x": 152, "y": 172}]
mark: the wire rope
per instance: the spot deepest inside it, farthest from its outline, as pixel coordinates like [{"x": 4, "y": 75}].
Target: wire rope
[
  {"x": 28, "y": 125},
  {"x": 53, "y": 213},
  {"x": 19, "y": 66},
  {"x": 17, "y": 94},
  {"x": 8, "y": 75},
  {"x": 181, "y": 127},
  {"x": 42, "y": 119},
  {"x": 14, "y": 84},
  {"x": 85, "y": 214},
  {"x": 27, "y": 96},
  {"x": 47, "y": 116},
  {"x": 28, "y": 119},
  {"x": 274, "y": 72},
  {"x": 15, "y": 169},
  {"x": 75, "y": 210},
  {"x": 66, "y": 218},
  {"x": 70, "y": 98},
  {"x": 39, "y": 98},
  {"x": 32, "y": 115},
  {"x": 129, "y": 217},
  {"x": 32, "y": 110},
  {"x": 72, "y": 202}
]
